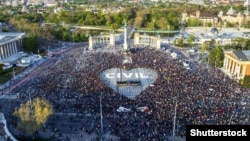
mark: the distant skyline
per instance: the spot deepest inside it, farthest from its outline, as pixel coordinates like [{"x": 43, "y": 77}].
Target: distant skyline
[{"x": 198, "y": 2}]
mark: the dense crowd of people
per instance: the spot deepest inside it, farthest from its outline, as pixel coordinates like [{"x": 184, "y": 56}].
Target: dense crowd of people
[{"x": 204, "y": 96}]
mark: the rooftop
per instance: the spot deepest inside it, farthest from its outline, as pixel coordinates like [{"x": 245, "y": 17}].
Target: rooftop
[
  {"x": 6, "y": 37},
  {"x": 241, "y": 55},
  {"x": 247, "y": 54}
]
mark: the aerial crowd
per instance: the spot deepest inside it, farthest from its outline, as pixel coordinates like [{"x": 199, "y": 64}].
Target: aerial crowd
[{"x": 203, "y": 96}]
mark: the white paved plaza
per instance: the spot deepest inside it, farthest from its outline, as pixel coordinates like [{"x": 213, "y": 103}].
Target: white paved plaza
[{"x": 129, "y": 83}]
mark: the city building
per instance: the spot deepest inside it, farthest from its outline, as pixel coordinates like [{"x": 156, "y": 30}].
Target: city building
[
  {"x": 10, "y": 44},
  {"x": 211, "y": 18},
  {"x": 237, "y": 64},
  {"x": 220, "y": 36}
]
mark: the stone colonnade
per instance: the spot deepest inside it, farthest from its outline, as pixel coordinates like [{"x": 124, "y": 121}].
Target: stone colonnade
[
  {"x": 10, "y": 48},
  {"x": 236, "y": 68},
  {"x": 153, "y": 41},
  {"x": 101, "y": 40}
]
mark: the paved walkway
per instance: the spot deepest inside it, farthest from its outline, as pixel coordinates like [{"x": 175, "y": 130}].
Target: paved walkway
[{"x": 5, "y": 128}]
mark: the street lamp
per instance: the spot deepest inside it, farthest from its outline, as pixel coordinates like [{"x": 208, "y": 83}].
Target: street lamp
[
  {"x": 101, "y": 116},
  {"x": 73, "y": 31},
  {"x": 168, "y": 30},
  {"x": 13, "y": 70},
  {"x": 174, "y": 122},
  {"x": 73, "y": 37},
  {"x": 48, "y": 49},
  {"x": 154, "y": 27}
]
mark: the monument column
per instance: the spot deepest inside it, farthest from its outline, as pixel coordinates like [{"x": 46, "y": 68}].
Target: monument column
[
  {"x": 158, "y": 42},
  {"x": 136, "y": 38},
  {"x": 90, "y": 43},
  {"x": 112, "y": 39},
  {"x": 125, "y": 45}
]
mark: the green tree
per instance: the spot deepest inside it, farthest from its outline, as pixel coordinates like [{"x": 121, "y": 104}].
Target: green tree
[
  {"x": 190, "y": 39},
  {"x": 209, "y": 24},
  {"x": 212, "y": 43},
  {"x": 180, "y": 41},
  {"x": 244, "y": 43},
  {"x": 204, "y": 47},
  {"x": 30, "y": 43},
  {"x": 194, "y": 22},
  {"x": 216, "y": 57},
  {"x": 32, "y": 115},
  {"x": 246, "y": 81},
  {"x": 163, "y": 23},
  {"x": 241, "y": 43}
]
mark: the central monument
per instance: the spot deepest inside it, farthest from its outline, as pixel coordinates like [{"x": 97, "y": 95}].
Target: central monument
[
  {"x": 125, "y": 45},
  {"x": 128, "y": 83}
]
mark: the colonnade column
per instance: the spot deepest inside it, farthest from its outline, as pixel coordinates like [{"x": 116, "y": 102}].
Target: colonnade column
[
  {"x": 239, "y": 70},
  {"x": 233, "y": 67},
  {"x": 225, "y": 63},
  {"x": 229, "y": 65},
  {"x": 12, "y": 49},
  {"x": 15, "y": 47},
  {"x": 8, "y": 49},
  {"x": 90, "y": 43},
  {"x": 1, "y": 52},
  {"x": 4, "y": 51}
]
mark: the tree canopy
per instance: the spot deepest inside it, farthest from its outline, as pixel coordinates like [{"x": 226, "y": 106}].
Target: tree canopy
[
  {"x": 216, "y": 57},
  {"x": 30, "y": 43},
  {"x": 33, "y": 114}
]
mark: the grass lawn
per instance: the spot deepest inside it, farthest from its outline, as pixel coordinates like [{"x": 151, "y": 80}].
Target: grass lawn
[{"x": 8, "y": 74}]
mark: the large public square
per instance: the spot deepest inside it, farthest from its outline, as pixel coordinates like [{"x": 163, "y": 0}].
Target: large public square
[{"x": 86, "y": 107}]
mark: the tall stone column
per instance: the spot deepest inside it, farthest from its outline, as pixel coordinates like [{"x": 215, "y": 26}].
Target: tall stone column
[
  {"x": 11, "y": 48},
  {"x": 239, "y": 68},
  {"x": 1, "y": 52},
  {"x": 90, "y": 43},
  {"x": 112, "y": 39},
  {"x": 136, "y": 38},
  {"x": 16, "y": 47},
  {"x": 8, "y": 49},
  {"x": 233, "y": 69},
  {"x": 229, "y": 66},
  {"x": 225, "y": 63},
  {"x": 158, "y": 42},
  {"x": 125, "y": 45},
  {"x": 4, "y": 51}
]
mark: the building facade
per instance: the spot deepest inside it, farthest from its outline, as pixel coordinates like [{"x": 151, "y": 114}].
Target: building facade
[
  {"x": 237, "y": 64},
  {"x": 10, "y": 44},
  {"x": 211, "y": 18}
]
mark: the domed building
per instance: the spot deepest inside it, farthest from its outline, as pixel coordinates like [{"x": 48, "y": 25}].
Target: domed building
[{"x": 214, "y": 31}]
